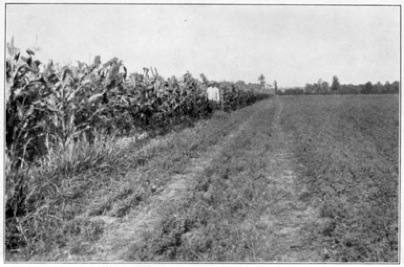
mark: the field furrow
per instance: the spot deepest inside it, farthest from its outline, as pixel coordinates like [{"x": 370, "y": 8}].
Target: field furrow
[{"x": 287, "y": 223}]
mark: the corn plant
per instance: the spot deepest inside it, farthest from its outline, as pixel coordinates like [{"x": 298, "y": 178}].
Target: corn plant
[{"x": 58, "y": 107}]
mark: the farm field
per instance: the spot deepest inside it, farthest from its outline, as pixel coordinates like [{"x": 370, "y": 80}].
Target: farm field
[{"x": 287, "y": 179}]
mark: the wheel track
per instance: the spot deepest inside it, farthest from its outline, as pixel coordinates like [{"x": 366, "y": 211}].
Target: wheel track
[
  {"x": 283, "y": 227},
  {"x": 128, "y": 231},
  {"x": 285, "y": 224}
]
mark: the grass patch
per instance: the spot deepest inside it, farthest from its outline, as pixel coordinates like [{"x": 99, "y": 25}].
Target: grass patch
[{"x": 216, "y": 220}]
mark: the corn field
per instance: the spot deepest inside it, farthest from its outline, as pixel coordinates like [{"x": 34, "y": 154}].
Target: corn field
[
  {"x": 52, "y": 106},
  {"x": 62, "y": 104}
]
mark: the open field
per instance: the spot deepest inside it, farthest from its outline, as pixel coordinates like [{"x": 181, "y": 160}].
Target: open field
[
  {"x": 287, "y": 179},
  {"x": 347, "y": 148}
]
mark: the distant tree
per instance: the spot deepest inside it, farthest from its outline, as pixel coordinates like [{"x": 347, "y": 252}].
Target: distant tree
[
  {"x": 343, "y": 89},
  {"x": 276, "y": 87},
  {"x": 241, "y": 83},
  {"x": 378, "y": 88},
  {"x": 367, "y": 89},
  {"x": 348, "y": 89},
  {"x": 318, "y": 87},
  {"x": 261, "y": 79},
  {"x": 387, "y": 87},
  {"x": 309, "y": 89},
  {"x": 325, "y": 87},
  {"x": 352, "y": 89},
  {"x": 395, "y": 87},
  {"x": 335, "y": 87},
  {"x": 254, "y": 86},
  {"x": 322, "y": 87},
  {"x": 294, "y": 91}
]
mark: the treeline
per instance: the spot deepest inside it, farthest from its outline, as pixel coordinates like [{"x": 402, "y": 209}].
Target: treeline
[{"x": 324, "y": 88}]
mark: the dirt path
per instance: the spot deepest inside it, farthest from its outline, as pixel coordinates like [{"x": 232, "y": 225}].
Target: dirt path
[
  {"x": 123, "y": 233},
  {"x": 288, "y": 223}
]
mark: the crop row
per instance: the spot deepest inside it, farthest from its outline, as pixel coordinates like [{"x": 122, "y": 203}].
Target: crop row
[
  {"x": 61, "y": 119},
  {"x": 58, "y": 105}
]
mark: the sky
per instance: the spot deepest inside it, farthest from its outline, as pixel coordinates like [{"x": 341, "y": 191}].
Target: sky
[{"x": 293, "y": 45}]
